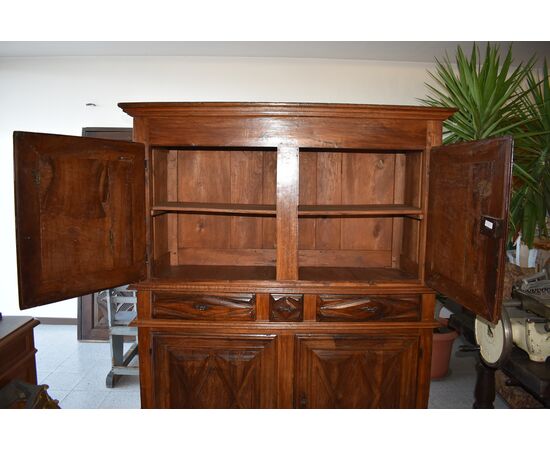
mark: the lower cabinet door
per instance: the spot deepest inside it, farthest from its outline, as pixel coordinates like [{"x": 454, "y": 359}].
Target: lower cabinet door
[
  {"x": 221, "y": 371},
  {"x": 356, "y": 371}
]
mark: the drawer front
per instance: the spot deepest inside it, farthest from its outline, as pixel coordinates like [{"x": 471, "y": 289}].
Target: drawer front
[
  {"x": 200, "y": 306},
  {"x": 286, "y": 308},
  {"x": 363, "y": 308}
]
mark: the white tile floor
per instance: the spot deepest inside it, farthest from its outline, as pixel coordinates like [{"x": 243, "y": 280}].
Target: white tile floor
[{"x": 76, "y": 371}]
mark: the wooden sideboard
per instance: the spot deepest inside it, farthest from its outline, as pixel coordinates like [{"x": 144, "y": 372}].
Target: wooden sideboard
[
  {"x": 17, "y": 361},
  {"x": 285, "y": 255}
]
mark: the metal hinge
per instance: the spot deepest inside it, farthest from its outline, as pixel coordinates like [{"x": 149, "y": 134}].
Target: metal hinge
[{"x": 146, "y": 164}]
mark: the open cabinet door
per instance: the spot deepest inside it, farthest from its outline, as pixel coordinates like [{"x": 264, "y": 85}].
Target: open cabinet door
[
  {"x": 80, "y": 215},
  {"x": 467, "y": 223}
]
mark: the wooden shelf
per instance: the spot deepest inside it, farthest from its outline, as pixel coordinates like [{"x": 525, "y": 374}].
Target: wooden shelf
[
  {"x": 358, "y": 210},
  {"x": 303, "y": 210},
  {"x": 216, "y": 273},
  {"x": 197, "y": 273},
  {"x": 213, "y": 208},
  {"x": 354, "y": 274}
]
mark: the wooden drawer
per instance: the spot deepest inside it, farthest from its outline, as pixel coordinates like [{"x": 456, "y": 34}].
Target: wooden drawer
[
  {"x": 363, "y": 308},
  {"x": 15, "y": 350},
  {"x": 201, "y": 306}
]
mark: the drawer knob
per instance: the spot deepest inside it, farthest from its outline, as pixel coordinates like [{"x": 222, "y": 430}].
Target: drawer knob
[
  {"x": 201, "y": 306},
  {"x": 371, "y": 309}
]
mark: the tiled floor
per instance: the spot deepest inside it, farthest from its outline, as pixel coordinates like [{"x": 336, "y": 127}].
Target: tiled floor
[
  {"x": 76, "y": 371},
  {"x": 456, "y": 391}
]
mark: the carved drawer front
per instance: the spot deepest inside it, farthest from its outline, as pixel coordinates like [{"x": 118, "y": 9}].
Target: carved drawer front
[
  {"x": 201, "y": 306},
  {"x": 286, "y": 308},
  {"x": 360, "y": 308}
]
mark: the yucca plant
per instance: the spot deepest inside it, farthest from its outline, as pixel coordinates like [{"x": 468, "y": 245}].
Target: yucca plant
[
  {"x": 494, "y": 99},
  {"x": 530, "y": 204},
  {"x": 486, "y": 93}
]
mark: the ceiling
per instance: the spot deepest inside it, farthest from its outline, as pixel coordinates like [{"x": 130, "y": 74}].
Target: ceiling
[{"x": 385, "y": 51}]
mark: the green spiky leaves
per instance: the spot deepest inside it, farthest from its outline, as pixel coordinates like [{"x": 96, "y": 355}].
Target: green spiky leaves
[{"x": 494, "y": 98}]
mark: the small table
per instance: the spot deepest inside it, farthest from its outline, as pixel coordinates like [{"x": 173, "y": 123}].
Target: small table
[{"x": 17, "y": 349}]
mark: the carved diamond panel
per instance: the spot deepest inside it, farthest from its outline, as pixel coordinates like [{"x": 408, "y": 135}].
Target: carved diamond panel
[
  {"x": 286, "y": 308},
  {"x": 356, "y": 372},
  {"x": 215, "y": 372}
]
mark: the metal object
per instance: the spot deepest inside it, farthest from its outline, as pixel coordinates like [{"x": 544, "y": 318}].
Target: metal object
[
  {"x": 491, "y": 226},
  {"x": 121, "y": 311},
  {"x": 495, "y": 341},
  {"x": 534, "y": 293},
  {"x": 525, "y": 322}
]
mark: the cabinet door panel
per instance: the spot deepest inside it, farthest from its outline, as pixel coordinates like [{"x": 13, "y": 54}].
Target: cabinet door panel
[
  {"x": 214, "y": 371},
  {"x": 468, "y": 221},
  {"x": 80, "y": 215},
  {"x": 356, "y": 371}
]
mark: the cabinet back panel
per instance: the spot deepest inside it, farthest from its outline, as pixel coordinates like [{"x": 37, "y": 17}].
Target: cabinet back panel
[
  {"x": 357, "y": 178},
  {"x": 225, "y": 176}
]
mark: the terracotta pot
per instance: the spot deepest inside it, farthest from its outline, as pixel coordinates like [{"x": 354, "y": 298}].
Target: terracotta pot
[{"x": 441, "y": 352}]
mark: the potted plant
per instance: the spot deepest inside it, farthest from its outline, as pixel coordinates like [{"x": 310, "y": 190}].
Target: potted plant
[
  {"x": 530, "y": 205},
  {"x": 493, "y": 99}
]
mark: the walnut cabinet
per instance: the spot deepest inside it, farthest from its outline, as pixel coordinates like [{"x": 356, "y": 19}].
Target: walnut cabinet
[{"x": 285, "y": 255}]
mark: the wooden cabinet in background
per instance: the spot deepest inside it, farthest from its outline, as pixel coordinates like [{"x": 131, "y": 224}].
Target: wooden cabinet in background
[
  {"x": 17, "y": 360},
  {"x": 285, "y": 255}
]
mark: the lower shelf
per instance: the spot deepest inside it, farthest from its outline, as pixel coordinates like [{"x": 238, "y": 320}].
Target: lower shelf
[
  {"x": 217, "y": 273},
  {"x": 359, "y": 274},
  {"x": 234, "y": 273}
]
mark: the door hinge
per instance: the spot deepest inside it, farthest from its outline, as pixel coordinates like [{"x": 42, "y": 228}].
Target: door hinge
[{"x": 146, "y": 164}]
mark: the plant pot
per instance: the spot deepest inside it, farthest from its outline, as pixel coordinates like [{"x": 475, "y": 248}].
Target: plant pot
[{"x": 441, "y": 351}]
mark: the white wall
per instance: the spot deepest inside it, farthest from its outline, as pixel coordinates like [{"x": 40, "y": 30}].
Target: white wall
[{"x": 49, "y": 95}]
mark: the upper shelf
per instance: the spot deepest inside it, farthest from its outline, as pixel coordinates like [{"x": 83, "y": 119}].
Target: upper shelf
[
  {"x": 214, "y": 208},
  {"x": 358, "y": 210},
  {"x": 303, "y": 210}
]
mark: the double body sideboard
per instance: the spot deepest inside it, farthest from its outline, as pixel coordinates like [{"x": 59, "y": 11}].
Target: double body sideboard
[{"x": 285, "y": 255}]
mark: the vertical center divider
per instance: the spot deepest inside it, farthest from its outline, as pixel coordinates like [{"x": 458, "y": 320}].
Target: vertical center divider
[{"x": 288, "y": 179}]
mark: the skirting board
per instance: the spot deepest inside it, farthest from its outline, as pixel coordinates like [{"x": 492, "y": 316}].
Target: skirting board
[{"x": 57, "y": 320}]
